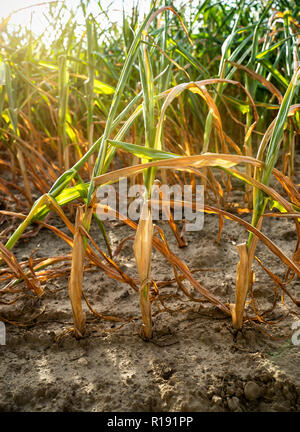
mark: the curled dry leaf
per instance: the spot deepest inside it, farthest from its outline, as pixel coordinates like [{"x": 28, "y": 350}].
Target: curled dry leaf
[
  {"x": 143, "y": 253},
  {"x": 76, "y": 277},
  {"x": 241, "y": 289}
]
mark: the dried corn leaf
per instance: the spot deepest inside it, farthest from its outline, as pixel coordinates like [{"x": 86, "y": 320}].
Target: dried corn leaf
[
  {"x": 143, "y": 253},
  {"x": 76, "y": 277}
]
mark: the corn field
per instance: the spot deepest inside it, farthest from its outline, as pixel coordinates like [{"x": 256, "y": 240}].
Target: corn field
[{"x": 196, "y": 93}]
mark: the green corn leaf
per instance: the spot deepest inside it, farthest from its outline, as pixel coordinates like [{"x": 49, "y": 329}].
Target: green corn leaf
[
  {"x": 102, "y": 88},
  {"x": 275, "y": 72},
  {"x": 143, "y": 152}
]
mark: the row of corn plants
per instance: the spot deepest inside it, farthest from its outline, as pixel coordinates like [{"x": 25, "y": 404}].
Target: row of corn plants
[{"x": 189, "y": 93}]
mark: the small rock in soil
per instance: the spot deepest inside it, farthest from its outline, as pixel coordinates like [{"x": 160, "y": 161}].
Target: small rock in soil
[
  {"x": 252, "y": 391},
  {"x": 217, "y": 400},
  {"x": 83, "y": 361},
  {"x": 233, "y": 403}
]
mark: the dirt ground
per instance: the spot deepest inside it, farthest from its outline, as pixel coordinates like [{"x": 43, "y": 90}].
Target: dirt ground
[{"x": 195, "y": 362}]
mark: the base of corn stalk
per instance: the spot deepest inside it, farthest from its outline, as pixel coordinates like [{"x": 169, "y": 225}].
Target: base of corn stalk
[
  {"x": 243, "y": 276},
  {"x": 145, "y": 305},
  {"x": 142, "y": 248},
  {"x": 76, "y": 277}
]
